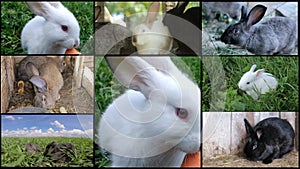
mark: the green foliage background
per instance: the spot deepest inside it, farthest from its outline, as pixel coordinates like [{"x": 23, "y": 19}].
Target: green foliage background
[
  {"x": 13, "y": 153},
  {"x": 230, "y": 98}
]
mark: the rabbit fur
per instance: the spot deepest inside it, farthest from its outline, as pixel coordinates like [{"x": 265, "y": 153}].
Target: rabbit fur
[
  {"x": 276, "y": 139},
  {"x": 273, "y": 36},
  {"x": 54, "y": 30},
  {"x": 25, "y": 73},
  {"x": 152, "y": 37},
  {"x": 184, "y": 26},
  {"x": 157, "y": 121},
  {"x": 47, "y": 81},
  {"x": 258, "y": 82}
]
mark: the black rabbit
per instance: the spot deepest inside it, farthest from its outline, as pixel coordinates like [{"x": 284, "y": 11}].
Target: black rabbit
[
  {"x": 270, "y": 139},
  {"x": 184, "y": 26}
]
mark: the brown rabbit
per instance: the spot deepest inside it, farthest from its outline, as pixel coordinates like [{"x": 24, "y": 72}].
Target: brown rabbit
[
  {"x": 25, "y": 73},
  {"x": 47, "y": 81}
]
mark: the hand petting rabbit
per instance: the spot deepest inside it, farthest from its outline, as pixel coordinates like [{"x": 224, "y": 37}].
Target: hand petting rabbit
[
  {"x": 47, "y": 81},
  {"x": 52, "y": 31},
  {"x": 184, "y": 26},
  {"x": 259, "y": 82},
  {"x": 157, "y": 121},
  {"x": 276, "y": 139},
  {"x": 152, "y": 37},
  {"x": 273, "y": 36}
]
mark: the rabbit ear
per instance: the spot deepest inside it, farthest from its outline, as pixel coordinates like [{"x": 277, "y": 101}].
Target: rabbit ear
[
  {"x": 134, "y": 73},
  {"x": 249, "y": 128},
  {"x": 31, "y": 68},
  {"x": 252, "y": 68},
  {"x": 43, "y": 9},
  {"x": 259, "y": 72},
  {"x": 255, "y": 15},
  {"x": 39, "y": 82},
  {"x": 152, "y": 13},
  {"x": 244, "y": 13}
]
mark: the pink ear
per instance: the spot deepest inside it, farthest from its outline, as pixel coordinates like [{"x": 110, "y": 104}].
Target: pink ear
[{"x": 259, "y": 72}]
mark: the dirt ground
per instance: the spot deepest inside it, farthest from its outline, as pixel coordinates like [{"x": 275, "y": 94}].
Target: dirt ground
[
  {"x": 289, "y": 160},
  {"x": 72, "y": 100}
]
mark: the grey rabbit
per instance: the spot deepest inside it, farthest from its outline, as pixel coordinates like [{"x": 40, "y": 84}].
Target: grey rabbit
[
  {"x": 277, "y": 35},
  {"x": 25, "y": 73},
  {"x": 270, "y": 139},
  {"x": 47, "y": 81}
]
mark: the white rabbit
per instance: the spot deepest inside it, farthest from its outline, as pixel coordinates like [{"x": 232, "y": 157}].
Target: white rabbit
[
  {"x": 157, "y": 121},
  {"x": 257, "y": 82},
  {"x": 53, "y": 31},
  {"x": 152, "y": 37}
]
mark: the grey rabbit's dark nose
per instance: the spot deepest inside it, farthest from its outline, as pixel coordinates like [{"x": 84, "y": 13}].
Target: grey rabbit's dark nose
[{"x": 76, "y": 44}]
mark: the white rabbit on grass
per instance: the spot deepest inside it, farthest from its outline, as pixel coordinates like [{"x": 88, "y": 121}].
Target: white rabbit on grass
[
  {"x": 258, "y": 82},
  {"x": 54, "y": 30},
  {"x": 157, "y": 121}
]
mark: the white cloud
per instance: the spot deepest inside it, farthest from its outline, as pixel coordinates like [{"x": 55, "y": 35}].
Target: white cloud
[
  {"x": 33, "y": 127},
  {"x": 58, "y": 125},
  {"x": 49, "y": 133},
  {"x": 9, "y": 117}
]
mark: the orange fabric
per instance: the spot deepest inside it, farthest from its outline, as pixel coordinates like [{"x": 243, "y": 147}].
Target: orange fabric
[
  {"x": 72, "y": 51},
  {"x": 191, "y": 160}
]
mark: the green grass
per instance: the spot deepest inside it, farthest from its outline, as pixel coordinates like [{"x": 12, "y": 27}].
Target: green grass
[
  {"x": 222, "y": 74},
  {"x": 13, "y": 154},
  {"x": 14, "y": 16},
  {"x": 108, "y": 88}
]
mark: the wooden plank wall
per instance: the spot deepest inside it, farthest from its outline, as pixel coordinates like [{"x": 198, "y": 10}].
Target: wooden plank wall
[{"x": 224, "y": 132}]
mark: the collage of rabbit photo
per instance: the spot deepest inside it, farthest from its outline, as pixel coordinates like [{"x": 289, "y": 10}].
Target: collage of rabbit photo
[{"x": 149, "y": 84}]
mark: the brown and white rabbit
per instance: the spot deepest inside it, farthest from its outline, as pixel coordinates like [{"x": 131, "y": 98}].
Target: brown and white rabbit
[
  {"x": 47, "y": 81},
  {"x": 273, "y": 36}
]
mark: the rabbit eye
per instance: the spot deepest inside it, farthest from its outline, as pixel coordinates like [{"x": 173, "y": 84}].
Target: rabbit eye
[
  {"x": 181, "y": 113},
  {"x": 64, "y": 28},
  {"x": 254, "y": 147},
  {"x": 235, "y": 31},
  {"x": 248, "y": 83}
]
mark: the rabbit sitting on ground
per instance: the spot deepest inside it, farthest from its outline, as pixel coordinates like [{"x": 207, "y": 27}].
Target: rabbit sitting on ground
[
  {"x": 47, "y": 81},
  {"x": 274, "y": 36},
  {"x": 52, "y": 31},
  {"x": 270, "y": 139},
  {"x": 152, "y": 37},
  {"x": 25, "y": 73},
  {"x": 157, "y": 121},
  {"x": 258, "y": 82}
]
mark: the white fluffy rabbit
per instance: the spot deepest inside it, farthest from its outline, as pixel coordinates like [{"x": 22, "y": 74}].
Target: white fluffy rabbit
[
  {"x": 157, "y": 121},
  {"x": 258, "y": 82},
  {"x": 152, "y": 37},
  {"x": 52, "y": 31}
]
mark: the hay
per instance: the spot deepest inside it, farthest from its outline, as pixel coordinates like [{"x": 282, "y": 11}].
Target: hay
[{"x": 289, "y": 160}]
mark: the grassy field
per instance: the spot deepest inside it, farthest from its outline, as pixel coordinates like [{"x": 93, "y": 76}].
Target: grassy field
[
  {"x": 13, "y": 153},
  {"x": 107, "y": 88},
  {"x": 221, "y": 93},
  {"x": 14, "y": 16}
]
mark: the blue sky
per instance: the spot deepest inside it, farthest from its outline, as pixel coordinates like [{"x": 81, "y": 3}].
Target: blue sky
[{"x": 46, "y": 125}]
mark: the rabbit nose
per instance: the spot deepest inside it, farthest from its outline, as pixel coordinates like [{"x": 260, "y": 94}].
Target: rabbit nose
[{"x": 76, "y": 44}]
